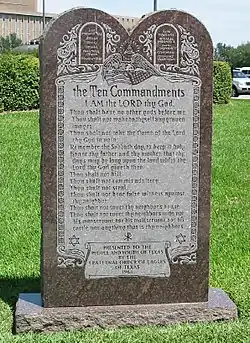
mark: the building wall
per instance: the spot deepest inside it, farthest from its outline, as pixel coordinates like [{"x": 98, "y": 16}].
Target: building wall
[
  {"x": 23, "y": 6},
  {"x": 26, "y": 26},
  {"x": 29, "y": 26}
]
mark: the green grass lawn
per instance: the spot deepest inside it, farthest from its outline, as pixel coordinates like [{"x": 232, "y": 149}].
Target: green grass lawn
[{"x": 230, "y": 236}]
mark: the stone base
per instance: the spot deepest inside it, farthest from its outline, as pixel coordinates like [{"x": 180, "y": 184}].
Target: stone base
[{"x": 30, "y": 316}]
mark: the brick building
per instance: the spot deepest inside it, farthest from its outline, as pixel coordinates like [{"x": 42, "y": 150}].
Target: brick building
[{"x": 21, "y": 17}]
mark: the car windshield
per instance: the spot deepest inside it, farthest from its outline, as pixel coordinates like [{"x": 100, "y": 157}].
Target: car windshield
[{"x": 238, "y": 75}]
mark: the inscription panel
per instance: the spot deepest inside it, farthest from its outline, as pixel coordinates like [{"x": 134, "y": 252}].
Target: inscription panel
[
  {"x": 167, "y": 45},
  {"x": 92, "y": 44},
  {"x": 129, "y": 172}
]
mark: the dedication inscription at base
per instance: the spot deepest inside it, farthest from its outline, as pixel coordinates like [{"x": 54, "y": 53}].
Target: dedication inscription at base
[{"x": 131, "y": 151}]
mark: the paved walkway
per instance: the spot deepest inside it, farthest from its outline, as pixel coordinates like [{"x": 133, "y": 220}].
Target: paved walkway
[{"x": 243, "y": 97}]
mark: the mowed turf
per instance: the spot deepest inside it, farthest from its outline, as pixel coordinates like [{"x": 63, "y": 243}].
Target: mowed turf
[{"x": 230, "y": 234}]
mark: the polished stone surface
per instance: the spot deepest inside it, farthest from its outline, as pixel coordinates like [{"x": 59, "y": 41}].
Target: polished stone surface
[
  {"x": 168, "y": 44},
  {"x": 31, "y": 317}
]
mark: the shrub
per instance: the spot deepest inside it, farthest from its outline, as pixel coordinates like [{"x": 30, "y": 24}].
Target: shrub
[
  {"x": 19, "y": 82},
  {"x": 222, "y": 82}
]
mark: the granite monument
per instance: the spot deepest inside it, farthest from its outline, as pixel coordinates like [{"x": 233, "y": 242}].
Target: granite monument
[{"x": 126, "y": 129}]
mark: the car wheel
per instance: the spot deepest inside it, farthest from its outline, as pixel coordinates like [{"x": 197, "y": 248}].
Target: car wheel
[{"x": 235, "y": 93}]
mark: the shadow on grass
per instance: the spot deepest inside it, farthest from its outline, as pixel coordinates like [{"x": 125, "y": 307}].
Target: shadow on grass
[{"x": 11, "y": 288}]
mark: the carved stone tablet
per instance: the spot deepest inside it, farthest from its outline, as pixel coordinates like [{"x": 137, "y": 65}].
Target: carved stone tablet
[
  {"x": 126, "y": 165},
  {"x": 91, "y": 44},
  {"x": 167, "y": 44}
]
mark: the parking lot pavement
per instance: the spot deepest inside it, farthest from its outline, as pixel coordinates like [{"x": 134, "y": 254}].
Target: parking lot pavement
[{"x": 243, "y": 97}]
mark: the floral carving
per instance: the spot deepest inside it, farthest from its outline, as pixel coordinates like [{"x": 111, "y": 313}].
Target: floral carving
[
  {"x": 147, "y": 40},
  {"x": 67, "y": 53},
  {"x": 112, "y": 39},
  {"x": 188, "y": 259},
  {"x": 190, "y": 56},
  {"x": 183, "y": 254},
  {"x": 169, "y": 68},
  {"x": 70, "y": 257}
]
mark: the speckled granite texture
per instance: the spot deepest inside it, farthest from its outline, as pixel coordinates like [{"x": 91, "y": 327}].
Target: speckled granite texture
[
  {"x": 62, "y": 287},
  {"x": 31, "y": 317}
]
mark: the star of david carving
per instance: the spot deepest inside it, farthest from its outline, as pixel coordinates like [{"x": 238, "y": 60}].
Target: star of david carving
[
  {"x": 74, "y": 240},
  {"x": 181, "y": 238}
]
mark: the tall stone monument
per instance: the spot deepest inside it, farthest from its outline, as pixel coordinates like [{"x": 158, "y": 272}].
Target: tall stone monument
[{"x": 126, "y": 127}]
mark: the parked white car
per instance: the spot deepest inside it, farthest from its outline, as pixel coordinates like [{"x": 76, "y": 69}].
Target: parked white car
[
  {"x": 241, "y": 83},
  {"x": 245, "y": 70}
]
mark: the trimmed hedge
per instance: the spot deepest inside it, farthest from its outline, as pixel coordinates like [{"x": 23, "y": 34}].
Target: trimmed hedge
[
  {"x": 222, "y": 82},
  {"x": 19, "y": 82}
]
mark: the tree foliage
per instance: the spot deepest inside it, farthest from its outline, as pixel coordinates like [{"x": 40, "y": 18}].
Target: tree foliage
[
  {"x": 19, "y": 82},
  {"x": 10, "y": 42},
  {"x": 236, "y": 56}
]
